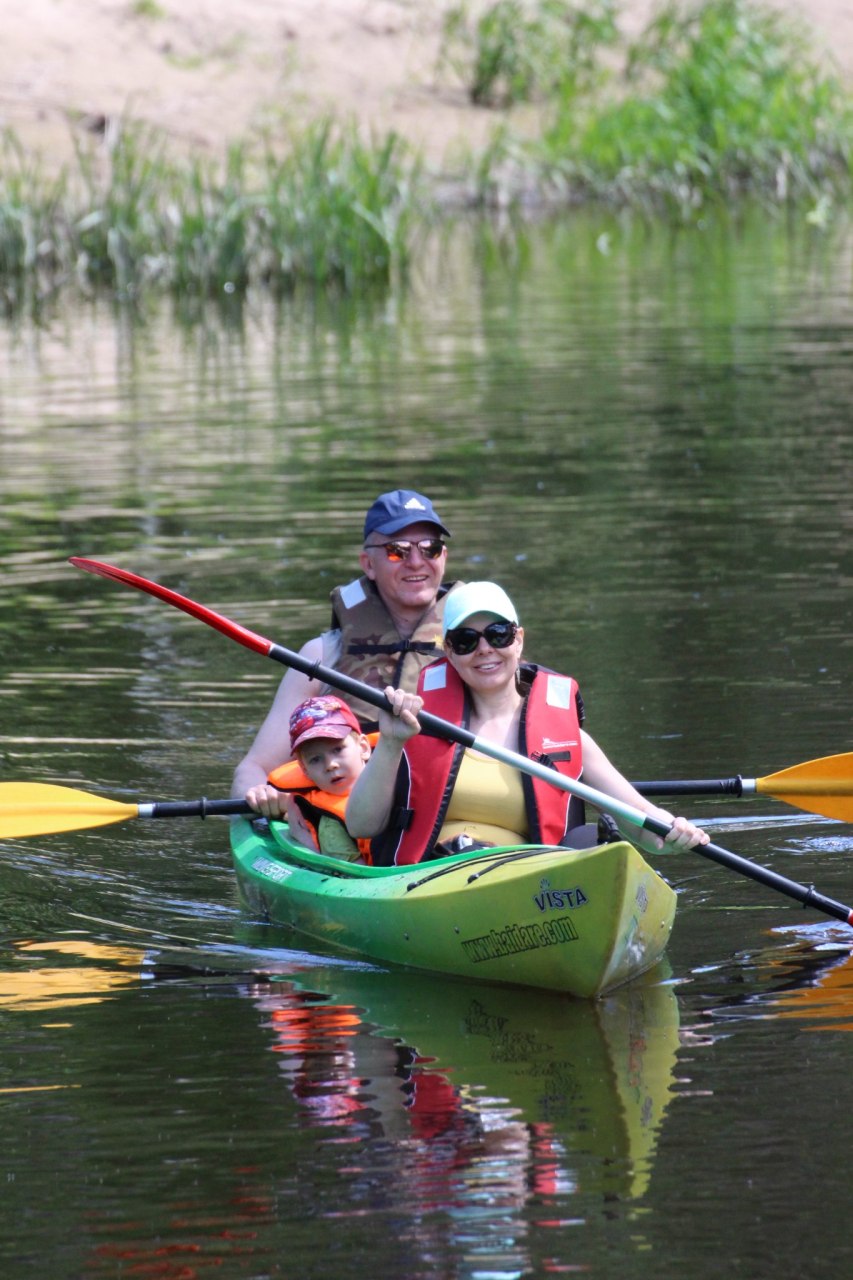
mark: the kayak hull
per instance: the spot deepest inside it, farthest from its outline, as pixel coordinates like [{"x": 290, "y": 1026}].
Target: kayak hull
[{"x": 577, "y": 921}]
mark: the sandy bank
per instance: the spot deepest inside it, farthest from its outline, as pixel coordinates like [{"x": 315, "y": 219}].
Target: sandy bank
[{"x": 208, "y": 71}]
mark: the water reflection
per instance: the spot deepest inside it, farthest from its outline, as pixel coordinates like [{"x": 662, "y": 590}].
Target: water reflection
[
  {"x": 485, "y": 1104},
  {"x": 478, "y": 1114},
  {"x": 93, "y": 971},
  {"x": 805, "y": 974},
  {"x": 548, "y": 1094},
  {"x": 820, "y": 995}
]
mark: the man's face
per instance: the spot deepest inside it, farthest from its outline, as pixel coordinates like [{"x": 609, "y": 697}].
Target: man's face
[{"x": 410, "y": 583}]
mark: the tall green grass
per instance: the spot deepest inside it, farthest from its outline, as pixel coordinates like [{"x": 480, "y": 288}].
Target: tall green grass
[
  {"x": 32, "y": 205},
  {"x": 328, "y": 209},
  {"x": 719, "y": 100},
  {"x": 514, "y": 51}
]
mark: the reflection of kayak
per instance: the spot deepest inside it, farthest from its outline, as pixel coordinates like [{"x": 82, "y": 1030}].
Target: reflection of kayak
[
  {"x": 589, "y": 1080},
  {"x": 578, "y": 921}
]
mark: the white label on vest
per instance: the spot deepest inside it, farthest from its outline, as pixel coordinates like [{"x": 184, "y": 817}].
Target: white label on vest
[
  {"x": 435, "y": 677},
  {"x": 559, "y": 692},
  {"x": 353, "y": 594}
]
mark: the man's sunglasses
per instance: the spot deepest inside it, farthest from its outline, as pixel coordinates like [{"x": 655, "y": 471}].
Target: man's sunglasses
[
  {"x": 499, "y": 635},
  {"x": 430, "y": 549}
]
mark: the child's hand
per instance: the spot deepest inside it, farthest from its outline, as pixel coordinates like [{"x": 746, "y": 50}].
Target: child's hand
[{"x": 267, "y": 800}]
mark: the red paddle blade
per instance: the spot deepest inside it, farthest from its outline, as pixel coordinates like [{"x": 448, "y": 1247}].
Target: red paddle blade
[{"x": 242, "y": 635}]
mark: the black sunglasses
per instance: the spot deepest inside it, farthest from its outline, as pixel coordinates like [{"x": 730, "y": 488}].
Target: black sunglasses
[
  {"x": 499, "y": 635},
  {"x": 430, "y": 549}
]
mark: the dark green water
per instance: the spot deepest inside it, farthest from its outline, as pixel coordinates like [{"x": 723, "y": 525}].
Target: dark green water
[{"x": 647, "y": 439}]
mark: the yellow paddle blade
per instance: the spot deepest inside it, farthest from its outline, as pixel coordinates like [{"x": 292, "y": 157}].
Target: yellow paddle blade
[
  {"x": 822, "y": 786},
  {"x": 40, "y": 808}
]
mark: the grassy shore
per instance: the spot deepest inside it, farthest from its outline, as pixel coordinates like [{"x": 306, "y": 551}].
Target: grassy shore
[{"x": 712, "y": 103}]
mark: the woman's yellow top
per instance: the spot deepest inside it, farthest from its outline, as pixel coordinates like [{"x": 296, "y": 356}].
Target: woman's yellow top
[{"x": 487, "y": 803}]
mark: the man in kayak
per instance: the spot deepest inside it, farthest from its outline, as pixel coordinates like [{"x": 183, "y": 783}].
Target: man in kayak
[
  {"x": 329, "y": 752},
  {"x": 386, "y": 626},
  {"x": 419, "y": 792}
]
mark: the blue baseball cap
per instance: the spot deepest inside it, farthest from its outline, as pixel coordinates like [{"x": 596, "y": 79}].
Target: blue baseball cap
[{"x": 393, "y": 511}]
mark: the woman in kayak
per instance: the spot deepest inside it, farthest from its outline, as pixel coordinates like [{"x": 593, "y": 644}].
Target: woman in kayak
[{"x": 419, "y": 796}]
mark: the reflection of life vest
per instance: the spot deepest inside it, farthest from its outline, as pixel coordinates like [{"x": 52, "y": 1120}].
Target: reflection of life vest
[
  {"x": 548, "y": 1175},
  {"x": 314, "y": 803},
  {"x": 372, "y": 649},
  {"x": 449, "y": 1135},
  {"x": 320, "y": 1064},
  {"x": 550, "y": 732}
]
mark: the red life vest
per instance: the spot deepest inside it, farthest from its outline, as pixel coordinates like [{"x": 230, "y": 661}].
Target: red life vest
[
  {"x": 313, "y": 802},
  {"x": 550, "y": 731}
]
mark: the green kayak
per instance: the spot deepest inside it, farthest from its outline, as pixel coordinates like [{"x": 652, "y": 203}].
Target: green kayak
[{"x": 577, "y": 921}]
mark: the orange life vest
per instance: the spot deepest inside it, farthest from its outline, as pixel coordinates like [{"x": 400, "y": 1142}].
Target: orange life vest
[{"x": 314, "y": 803}]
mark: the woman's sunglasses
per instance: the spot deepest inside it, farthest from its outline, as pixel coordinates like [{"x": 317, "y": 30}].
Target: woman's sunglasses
[
  {"x": 499, "y": 635},
  {"x": 430, "y": 549}
]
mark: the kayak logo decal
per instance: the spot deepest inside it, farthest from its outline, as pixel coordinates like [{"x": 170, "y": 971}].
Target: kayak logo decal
[
  {"x": 549, "y": 899},
  {"x": 514, "y": 938},
  {"x": 272, "y": 870}
]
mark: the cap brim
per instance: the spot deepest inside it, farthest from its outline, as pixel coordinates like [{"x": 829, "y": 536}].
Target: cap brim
[
  {"x": 337, "y": 732},
  {"x": 474, "y": 597}
]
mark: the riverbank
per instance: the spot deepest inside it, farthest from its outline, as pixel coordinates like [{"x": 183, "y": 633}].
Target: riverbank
[
  {"x": 723, "y": 102},
  {"x": 208, "y": 72}
]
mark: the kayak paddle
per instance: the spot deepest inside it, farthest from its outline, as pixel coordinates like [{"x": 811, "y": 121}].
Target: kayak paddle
[
  {"x": 42, "y": 808},
  {"x": 822, "y": 786},
  {"x": 439, "y": 728}
]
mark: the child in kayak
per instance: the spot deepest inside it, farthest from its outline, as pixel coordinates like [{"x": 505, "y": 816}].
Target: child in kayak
[{"x": 329, "y": 751}]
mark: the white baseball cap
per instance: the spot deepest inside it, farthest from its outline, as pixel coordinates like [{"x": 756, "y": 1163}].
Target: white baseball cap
[{"x": 476, "y": 597}]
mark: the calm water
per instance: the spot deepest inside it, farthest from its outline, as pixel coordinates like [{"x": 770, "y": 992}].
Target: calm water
[{"x": 647, "y": 439}]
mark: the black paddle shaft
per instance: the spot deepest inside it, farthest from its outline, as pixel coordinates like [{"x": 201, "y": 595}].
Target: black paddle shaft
[
  {"x": 432, "y": 725},
  {"x": 692, "y": 787}
]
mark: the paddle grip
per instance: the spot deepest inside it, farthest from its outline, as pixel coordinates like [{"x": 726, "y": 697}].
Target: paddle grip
[
  {"x": 692, "y": 787},
  {"x": 192, "y": 808}
]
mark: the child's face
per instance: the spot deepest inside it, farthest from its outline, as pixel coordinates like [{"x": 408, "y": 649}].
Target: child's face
[{"x": 333, "y": 764}]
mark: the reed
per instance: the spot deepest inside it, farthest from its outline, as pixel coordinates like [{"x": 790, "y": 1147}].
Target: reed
[
  {"x": 328, "y": 208},
  {"x": 720, "y": 101},
  {"x": 514, "y": 51},
  {"x": 32, "y": 204},
  {"x": 332, "y": 210}
]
